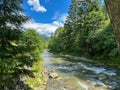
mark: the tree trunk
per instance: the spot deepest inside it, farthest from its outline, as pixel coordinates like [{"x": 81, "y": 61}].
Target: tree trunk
[{"x": 113, "y": 8}]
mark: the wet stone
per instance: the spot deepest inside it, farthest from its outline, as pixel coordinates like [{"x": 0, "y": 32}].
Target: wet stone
[{"x": 53, "y": 75}]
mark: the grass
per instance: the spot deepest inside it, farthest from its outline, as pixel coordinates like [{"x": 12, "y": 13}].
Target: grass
[{"x": 38, "y": 79}]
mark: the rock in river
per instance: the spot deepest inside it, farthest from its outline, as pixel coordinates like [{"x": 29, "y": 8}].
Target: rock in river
[{"x": 53, "y": 75}]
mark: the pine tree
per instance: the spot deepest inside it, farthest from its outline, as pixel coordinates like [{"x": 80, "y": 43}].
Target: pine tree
[
  {"x": 11, "y": 19},
  {"x": 85, "y": 17},
  {"x": 71, "y": 24}
]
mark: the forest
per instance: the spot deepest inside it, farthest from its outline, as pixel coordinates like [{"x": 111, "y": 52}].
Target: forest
[
  {"x": 91, "y": 30},
  {"x": 87, "y": 32},
  {"x": 19, "y": 48}
]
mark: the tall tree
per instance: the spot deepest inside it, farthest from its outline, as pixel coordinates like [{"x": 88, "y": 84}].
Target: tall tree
[
  {"x": 90, "y": 19},
  {"x": 11, "y": 19},
  {"x": 71, "y": 24},
  {"x": 113, "y": 8}
]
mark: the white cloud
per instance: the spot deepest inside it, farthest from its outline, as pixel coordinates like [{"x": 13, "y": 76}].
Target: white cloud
[
  {"x": 63, "y": 17},
  {"x": 60, "y": 17},
  {"x": 47, "y": 28},
  {"x": 56, "y": 15},
  {"x": 36, "y": 6},
  {"x": 43, "y": 28}
]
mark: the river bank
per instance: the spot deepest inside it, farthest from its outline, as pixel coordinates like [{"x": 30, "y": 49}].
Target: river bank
[
  {"x": 109, "y": 62},
  {"x": 79, "y": 74}
]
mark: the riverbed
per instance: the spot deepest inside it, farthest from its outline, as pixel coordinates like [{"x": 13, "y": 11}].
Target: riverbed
[{"x": 79, "y": 74}]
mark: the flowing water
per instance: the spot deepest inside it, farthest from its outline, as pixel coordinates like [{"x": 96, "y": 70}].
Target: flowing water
[{"x": 80, "y": 75}]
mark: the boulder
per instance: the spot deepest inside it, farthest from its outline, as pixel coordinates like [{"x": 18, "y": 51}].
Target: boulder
[{"x": 53, "y": 75}]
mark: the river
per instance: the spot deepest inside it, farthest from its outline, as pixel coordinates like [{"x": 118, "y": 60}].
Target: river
[{"x": 80, "y": 75}]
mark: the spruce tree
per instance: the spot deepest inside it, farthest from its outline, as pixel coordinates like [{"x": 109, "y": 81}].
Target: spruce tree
[
  {"x": 11, "y": 20},
  {"x": 71, "y": 24}
]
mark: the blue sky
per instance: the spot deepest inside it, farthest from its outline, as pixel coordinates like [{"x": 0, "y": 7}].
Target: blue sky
[{"x": 46, "y": 15}]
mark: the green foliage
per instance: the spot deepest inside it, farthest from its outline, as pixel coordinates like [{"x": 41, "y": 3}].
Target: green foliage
[
  {"x": 29, "y": 48},
  {"x": 17, "y": 48},
  {"x": 32, "y": 43},
  {"x": 36, "y": 81},
  {"x": 56, "y": 41},
  {"x": 10, "y": 31},
  {"x": 87, "y": 31}
]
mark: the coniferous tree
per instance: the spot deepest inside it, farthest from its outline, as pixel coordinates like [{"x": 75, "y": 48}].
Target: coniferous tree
[
  {"x": 71, "y": 24},
  {"x": 11, "y": 20},
  {"x": 87, "y": 31},
  {"x": 91, "y": 19},
  {"x": 83, "y": 17}
]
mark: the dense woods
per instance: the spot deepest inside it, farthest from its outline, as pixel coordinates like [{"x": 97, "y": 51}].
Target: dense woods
[
  {"x": 92, "y": 29},
  {"x": 87, "y": 32},
  {"x": 19, "y": 48}
]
